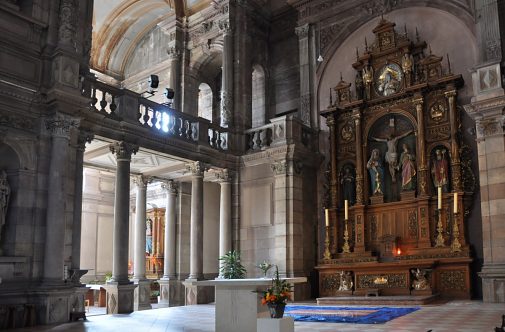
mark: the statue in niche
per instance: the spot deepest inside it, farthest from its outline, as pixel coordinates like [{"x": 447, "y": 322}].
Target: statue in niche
[
  {"x": 358, "y": 84},
  {"x": 376, "y": 172},
  {"x": 5, "y": 193},
  {"x": 348, "y": 182},
  {"x": 149, "y": 236},
  {"x": 408, "y": 168},
  {"x": 439, "y": 170},
  {"x": 420, "y": 282},
  {"x": 345, "y": 281},
  {"x": 391, "y": 154}
]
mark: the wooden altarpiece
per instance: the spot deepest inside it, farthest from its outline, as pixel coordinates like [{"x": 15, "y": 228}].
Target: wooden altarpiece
[
  {"x": 393, "y": 142},
  {"x": 155, "y": 226}
]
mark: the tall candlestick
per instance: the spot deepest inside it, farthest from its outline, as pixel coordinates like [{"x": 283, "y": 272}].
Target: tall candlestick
[
  {"x": 327, "y": 217},
  {"x": 346, "y": 209},
  {"x": 440, "y": 198},
  {"x": 455, "y": 210}
]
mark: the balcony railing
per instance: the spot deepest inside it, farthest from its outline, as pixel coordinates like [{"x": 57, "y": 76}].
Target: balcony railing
[{"x": 125, "y": 105}]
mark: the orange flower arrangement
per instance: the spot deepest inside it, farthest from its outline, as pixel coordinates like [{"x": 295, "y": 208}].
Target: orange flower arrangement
[{"x": 278, "y": 293}]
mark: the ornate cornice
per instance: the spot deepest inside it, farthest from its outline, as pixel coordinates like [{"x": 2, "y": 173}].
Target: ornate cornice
[
  {"x": 170, "y": 186},
  {"x": 123, "y": 150},
  {"x": 197, "y": 168},
  {"x": 225, "y": 27},
  {"x": 82, "y": 138},
  {"x": 287, "y": 167},
  {"x": 224, "y": 175}
]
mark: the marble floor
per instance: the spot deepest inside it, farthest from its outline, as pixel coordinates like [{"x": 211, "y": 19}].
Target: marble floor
[{"x": 461, "y": 316}]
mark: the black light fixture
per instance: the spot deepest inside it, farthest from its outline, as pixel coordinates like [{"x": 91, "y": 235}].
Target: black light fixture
[
  {"x": 153, "y": 83},
  {"x": 169, "y": 94}
]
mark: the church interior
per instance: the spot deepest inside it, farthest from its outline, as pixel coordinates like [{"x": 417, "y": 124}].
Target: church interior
[{"x": 357, "y": 147}]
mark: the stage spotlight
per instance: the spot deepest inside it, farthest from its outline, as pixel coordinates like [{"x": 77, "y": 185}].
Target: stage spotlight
[{"x": 153, "y": 83}]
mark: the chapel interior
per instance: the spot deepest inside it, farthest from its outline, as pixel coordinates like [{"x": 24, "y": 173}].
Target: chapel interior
[{"x": 358, "y": 144}]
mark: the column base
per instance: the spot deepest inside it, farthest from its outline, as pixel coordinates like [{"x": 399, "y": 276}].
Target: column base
[
  {"x": 169, "y": 292},
  {"x": 493, "y": 283},
  {"x": 119, "y": 298},
  {"x": 197, "y": 294},
  {"x": 142, "y": 295}
]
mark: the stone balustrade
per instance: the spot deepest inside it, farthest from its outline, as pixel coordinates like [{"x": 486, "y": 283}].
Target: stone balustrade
[
  {"x": 125, "y": 105},
  {"x": 280, "y": 131}
]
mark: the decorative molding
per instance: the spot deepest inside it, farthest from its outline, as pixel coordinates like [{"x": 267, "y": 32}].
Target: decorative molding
[
  {"x": 226, "y": 105},
  {"x": 197, "y": 168},
  {"x": 17, "y": 122},
  {"x": 225, "y": 27},
  {"x": 287, "y": 167},
  {"x": 82, "y": 138},
  {"x": 224, "y": 175},
  {"x": 67, "y": 29},
  {"x": 123, "y": 150},
  {"x": 305, "y": 109},
  {"x": 141, "y": 181}
]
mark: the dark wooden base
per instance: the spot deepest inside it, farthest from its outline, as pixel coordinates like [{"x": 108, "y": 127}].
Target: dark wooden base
[
  {"x": 341, "y": 293},
  {"x": 377, "y": 300},
  {"x": 407, "y": 195},
  {"x": 378, "y": 199}
]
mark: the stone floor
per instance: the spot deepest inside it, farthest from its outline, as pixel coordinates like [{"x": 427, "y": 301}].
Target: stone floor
[{"x": 461, "y": 316}]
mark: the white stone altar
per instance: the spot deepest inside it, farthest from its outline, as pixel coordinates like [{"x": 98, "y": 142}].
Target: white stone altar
[
  {"x": 238, "y": 305},
  {"x": 285, "y": 324}
]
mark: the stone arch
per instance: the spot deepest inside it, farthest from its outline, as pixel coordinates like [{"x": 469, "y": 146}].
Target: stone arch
[{"x": 205, "y": 101}]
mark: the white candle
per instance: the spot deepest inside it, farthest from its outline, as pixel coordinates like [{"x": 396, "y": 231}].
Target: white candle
[
  {"x": 346, "y": 209},
  {"x": 455, "y": 202},
  {"x": 327, "y": 217},
  {"x": 440, "y": 198}
]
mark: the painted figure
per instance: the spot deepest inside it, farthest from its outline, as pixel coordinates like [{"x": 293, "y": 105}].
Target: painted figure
[
  {"x": 389, "y": 85},
  {"x": 348, "y": 183},
  {"x": 408, "y": 169},
  {"x": 439, "y": 170},
  {"x": 376, "y": 172},
  {"x": 149, "y": 236}
]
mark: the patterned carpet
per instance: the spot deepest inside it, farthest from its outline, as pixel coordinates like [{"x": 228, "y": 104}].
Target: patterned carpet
[{"x": 359, "y": 315}]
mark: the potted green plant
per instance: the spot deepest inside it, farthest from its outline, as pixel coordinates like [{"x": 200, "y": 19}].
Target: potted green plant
[
  {"x": 277, "y": 295},
  {"x": 231, "y": 268}
]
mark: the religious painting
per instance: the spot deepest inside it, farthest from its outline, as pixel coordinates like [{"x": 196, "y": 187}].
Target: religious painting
[
  {"x": 388, "y": 80},
  {"x": 440, "y": 172},
  {"x": 348, "y": 184}
]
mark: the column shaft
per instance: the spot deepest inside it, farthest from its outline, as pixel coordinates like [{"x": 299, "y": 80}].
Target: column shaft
[
  {"x": 227, "y": 75},
  {"x": 169, "y": 270},
  {"x": 196, "y": 233},
  {"x": 139, "y": 259}
]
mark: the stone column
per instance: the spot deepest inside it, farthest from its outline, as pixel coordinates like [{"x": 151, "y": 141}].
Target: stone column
[
  {"x": 305, "y": 55},
  {"x": 196, "y": 233},
  {"x": 227, "y": 75},
  {"x": 175, "y": 76},
  {"x": 142, "y": 295},
  {"x": 224, "y": 214},
  {"x": 119, "y": 288},
  {"x": 167, "y": 283},
  {"x": 59, "y": 127},
  {"x": 359, "y": 208}
]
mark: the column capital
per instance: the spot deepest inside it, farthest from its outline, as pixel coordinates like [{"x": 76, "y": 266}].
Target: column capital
[
  {"x": 59, "y": 125},
  {"x": 84, "y": 137},
  {"x": 174, "y": 53},
  {"x": 287, "y": 167},
  {"x": 141, "y": 181},
  {"x": 449, "y": 94},
  {"x": 170, "y": 186},
  {"x": 418, "y": 100},
  {"x": 123, "y": 150},
  {"x": 225, "y": 27},
  {"x": 224, "y": 176},
  {"x": 330, "y": 120},
  {"x": 302, "y": 31},
  {"x": 197, "y": 168}
]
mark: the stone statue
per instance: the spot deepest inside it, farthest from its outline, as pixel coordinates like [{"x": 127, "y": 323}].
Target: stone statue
[
  {"x": 348, "y": 183},
  {"x": 407, "y": 62},
  {"x": 5, "y": 193},
  {"x": 439, "y": 170},
  {"x": 376, "y": 172},
  {"x": 345, "y": 281},
  {"x": 391, "y": 154},
  {"x": 149, "y": 236},
  {"x": 358, "y": 84},
  {"x": 408, "y": 169},
  {"x": 421, "y": 282}
]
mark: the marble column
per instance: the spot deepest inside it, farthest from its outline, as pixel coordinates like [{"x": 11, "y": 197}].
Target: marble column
[
  {"x": 175, "y": 76},
  {"x": 227, "y": 75},
  {"x": 82, "y": 139},
  {"x": 168, "y": 282},
  {"x": 142, "y": 295},
  {"x": 196, "y": 233},
  {"x": 59, "y": 127},
  {"x": 119, "y": 289},
  {"x": 224, "y": 214}
]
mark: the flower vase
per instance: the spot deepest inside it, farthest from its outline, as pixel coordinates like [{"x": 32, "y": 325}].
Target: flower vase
[{"x": 276, "y": 309}]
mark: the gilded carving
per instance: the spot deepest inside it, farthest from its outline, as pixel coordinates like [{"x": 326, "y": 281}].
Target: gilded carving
[
  {"x": 438, "y": 111},
  {"x": 347, "y": 132},
  {"x": 330, "y": 283},
  {"x": 453, "y": 280},
  {"x": 412, "y": 217},
  {"x": 386, "y": 280},
  {"x": 373, "y": 227},
  {"x": 420, "y": 281}
]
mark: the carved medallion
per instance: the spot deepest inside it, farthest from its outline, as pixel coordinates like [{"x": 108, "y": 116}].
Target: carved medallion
[
  {"x": 388, "y": 79},
  {"x": 347, "y": 132},
  {"x": 437, "y": 111}
]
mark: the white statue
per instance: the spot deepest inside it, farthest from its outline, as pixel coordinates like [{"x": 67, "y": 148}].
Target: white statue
[
  {"x": 5, "y": 193},
  {"x": 345, "y": 281}
]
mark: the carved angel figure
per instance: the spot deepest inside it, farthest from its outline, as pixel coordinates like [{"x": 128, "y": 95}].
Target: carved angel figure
[
  {"x": 345, "y": 281},
  {"x": 421, "y": 282}
]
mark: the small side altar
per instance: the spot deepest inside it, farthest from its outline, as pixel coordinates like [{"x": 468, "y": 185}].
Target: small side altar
[
  {"x": 238, "y": 304},
  {"x": 400, "y": 182}
]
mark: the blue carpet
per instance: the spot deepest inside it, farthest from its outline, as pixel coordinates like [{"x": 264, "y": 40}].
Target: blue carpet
[{"x": 359, "y": 315}]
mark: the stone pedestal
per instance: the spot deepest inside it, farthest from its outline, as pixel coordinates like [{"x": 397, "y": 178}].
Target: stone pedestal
[
  {"x": 196, "y": 293},
  {"x": 168, "y": 293},
  {"x": 119, "y": 298},
  {"x": 142, "y": 295},
  {"x": 285, "y": 324},
  {"x": 344, "y": 293}
]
